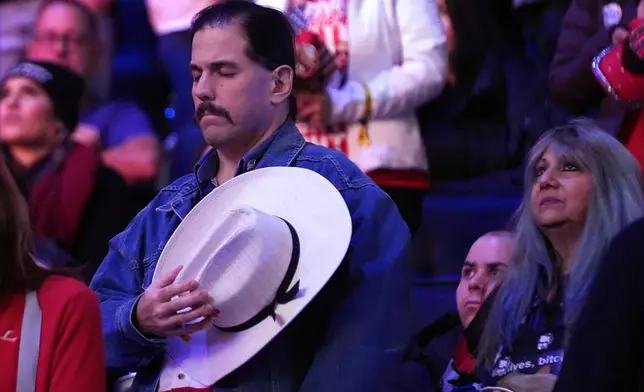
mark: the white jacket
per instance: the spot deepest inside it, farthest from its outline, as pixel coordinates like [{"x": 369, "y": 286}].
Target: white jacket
[
  {"x": 398, "y": 48},
  {"x": 171, "y": 16}
]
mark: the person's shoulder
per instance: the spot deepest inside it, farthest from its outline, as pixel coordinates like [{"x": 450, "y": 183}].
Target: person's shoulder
[
  {"x": 182, "y": 185},
  {"x": 105, "y": 113},
  {"x": 334, "y": 166},
  {"x": 114, "y": 106},
  {"x": 60, "y": 292},
  {"x": 365, "y": 200},
  {"x": 635, "y": 229},
  {"x": 627, "y": 242}
]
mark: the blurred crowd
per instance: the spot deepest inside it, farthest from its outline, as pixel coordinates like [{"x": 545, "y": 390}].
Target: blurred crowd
[{"x": 100, "y": 109}]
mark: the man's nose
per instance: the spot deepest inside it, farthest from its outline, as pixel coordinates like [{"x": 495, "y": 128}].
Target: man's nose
[
  {"x": 60, "y": 48},
  {"x": 203, "y": 89},
  {"x": 477, "y": 283}
]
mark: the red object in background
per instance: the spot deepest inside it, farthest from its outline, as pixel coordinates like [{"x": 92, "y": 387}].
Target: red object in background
[
  {"x": 620, "y": 71},
  {"x": 619, "y": 68},
  {"x": 307, "y": 47},
  {"x": 72, "y": 357}
]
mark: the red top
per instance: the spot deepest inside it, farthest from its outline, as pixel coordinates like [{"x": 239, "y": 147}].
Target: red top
[
  {"x": 407, "y": 179},
  {"x": 72, "y": 357}
]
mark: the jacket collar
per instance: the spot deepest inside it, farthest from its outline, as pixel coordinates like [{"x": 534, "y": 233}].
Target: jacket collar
[{"x": 279, "y": 149}]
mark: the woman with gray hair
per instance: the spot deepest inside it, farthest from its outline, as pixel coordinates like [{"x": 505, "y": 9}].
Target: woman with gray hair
[{"x": 582, "y": 187}]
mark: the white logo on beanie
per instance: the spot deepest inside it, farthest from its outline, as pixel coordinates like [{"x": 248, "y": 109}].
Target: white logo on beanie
[{"x": 32, "y": 71}]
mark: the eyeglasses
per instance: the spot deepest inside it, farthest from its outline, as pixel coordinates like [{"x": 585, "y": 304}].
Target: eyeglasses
[{"x": 68, "y": 40}]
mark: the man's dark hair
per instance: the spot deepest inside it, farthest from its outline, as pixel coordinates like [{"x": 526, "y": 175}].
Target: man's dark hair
[
  {"x": 91, "y": 21},
  {"x": 269, "y": 33}
]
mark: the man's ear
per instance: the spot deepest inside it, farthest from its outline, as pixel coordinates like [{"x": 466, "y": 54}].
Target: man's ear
[
  {"x": 62, "y": 131},
  {"x": 282, "y": 84}
]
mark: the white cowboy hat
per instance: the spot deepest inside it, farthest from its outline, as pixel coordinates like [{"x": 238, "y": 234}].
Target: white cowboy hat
[{"x": 263, "y": 244}]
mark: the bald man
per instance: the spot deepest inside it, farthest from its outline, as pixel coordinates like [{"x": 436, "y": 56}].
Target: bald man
[
  {"x": 485, "y": 266},
  {"x": 483, "y": 271}
]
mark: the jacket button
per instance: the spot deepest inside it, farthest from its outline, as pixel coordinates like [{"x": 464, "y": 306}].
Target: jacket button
[{"x": 181, "y": 376}]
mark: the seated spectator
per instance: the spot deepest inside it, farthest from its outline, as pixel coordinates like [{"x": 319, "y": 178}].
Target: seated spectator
[
  {"x": 582, "y": 188},
  {"x": 75, "y": 201},
  {"x": 360, "y": 93},
  {"x": 66, "y": 33},
  {"x": 50, "y": 325},
  {"x": 606, "y": 352},
  {"x": 484, "y": 269}
]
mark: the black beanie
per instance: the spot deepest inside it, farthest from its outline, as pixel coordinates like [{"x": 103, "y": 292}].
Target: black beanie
[{"x": 65, "y": 88}]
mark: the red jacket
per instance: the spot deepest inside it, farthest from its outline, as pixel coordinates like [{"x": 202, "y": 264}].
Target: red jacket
[
  {"x": 71, "y": 356},
  {"x": 572, "y": 82}
]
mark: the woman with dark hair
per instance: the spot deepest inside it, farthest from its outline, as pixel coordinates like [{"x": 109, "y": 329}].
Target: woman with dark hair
[
  {"x": 582, "y": 187},
  {"x": 50, "y": 326},
  {"x": 77, "y": 204}
]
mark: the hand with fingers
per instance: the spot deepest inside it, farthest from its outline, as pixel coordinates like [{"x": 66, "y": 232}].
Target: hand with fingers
[
  {"x": 314, "y": 64},
  {"x": 161, "y": 310}
]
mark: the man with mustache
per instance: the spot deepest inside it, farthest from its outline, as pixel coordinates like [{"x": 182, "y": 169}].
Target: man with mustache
[
  {"x": 242, "y": 66},
  {"x": 208, "y": 108}
]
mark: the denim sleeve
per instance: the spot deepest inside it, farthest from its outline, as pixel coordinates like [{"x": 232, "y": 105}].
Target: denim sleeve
[
  {"x": 119, "y": 284},
  {"x": 370, "y": 328}
]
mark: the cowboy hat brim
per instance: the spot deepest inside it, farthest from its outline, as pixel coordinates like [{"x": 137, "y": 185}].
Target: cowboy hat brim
[{"x": 319, "y": 214}]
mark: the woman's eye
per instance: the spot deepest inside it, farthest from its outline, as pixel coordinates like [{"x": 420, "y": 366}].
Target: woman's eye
[{"x": 570, "y": 167}]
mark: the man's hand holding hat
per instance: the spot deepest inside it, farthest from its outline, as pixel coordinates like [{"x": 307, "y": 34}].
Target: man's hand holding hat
[{"x": 158, "y": 312}]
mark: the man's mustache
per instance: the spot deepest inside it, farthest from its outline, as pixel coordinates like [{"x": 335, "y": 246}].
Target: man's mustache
[{"x": 209, "y": 108}]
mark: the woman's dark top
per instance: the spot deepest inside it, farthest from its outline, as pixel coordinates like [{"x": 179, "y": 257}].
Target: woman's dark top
[{"x": 606, "y": 350}]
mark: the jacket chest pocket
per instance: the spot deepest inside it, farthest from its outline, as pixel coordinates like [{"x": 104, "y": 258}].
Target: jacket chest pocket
[{"x": 149, "y": 265}]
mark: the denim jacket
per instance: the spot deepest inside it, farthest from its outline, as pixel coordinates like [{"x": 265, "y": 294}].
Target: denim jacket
[{"x": 346, "y": 339}]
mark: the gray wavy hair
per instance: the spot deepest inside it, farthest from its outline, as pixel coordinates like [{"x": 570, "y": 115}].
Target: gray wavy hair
[{"x": 616, "y": 200}]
